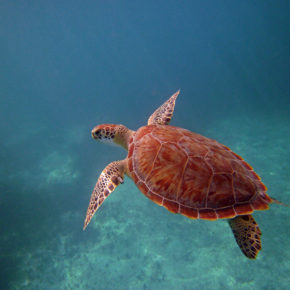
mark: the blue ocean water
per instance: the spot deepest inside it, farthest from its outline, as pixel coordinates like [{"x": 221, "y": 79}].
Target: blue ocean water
[{"x": 66, "y": 66}]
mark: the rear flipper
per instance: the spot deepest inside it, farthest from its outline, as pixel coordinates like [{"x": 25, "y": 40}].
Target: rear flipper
[{"x": 247, "y": 235}]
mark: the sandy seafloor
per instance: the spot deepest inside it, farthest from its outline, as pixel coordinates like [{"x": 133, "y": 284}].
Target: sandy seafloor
[{"x": 133, "y": 243}]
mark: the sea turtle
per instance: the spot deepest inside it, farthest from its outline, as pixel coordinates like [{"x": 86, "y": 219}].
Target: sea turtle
[{"x": 186, "y": 173}]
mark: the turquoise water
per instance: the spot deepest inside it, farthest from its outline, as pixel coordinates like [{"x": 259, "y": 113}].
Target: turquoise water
[{"x": 68, "y": 66}]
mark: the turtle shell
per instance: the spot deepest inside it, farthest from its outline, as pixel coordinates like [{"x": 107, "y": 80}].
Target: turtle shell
[{"x": 193, "y": 175}]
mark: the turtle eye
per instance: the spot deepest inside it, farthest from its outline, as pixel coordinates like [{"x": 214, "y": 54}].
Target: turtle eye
[{"x": 97, "y": 133}]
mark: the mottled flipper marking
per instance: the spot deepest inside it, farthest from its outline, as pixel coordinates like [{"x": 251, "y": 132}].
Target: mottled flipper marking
[
  {"x": 247, "y": 234},
  {"x": 109, "y": 179},
  {"x": 163, "y": 114}
]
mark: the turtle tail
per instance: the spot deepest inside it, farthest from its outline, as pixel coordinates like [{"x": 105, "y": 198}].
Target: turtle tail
[{"x": 279, "y": 202}]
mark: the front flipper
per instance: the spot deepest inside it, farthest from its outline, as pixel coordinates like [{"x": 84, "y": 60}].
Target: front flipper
[
  {"x": 163, "y": 114},
  {"x": 109, "y": 179},
  {"x": 247, "y": 234}
]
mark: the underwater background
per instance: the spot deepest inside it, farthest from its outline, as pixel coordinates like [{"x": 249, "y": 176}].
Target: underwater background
[{"x": 66, "y": 66}]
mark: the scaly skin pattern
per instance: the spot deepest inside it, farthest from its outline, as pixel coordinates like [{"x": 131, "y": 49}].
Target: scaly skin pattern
[
  {"x": 109, "y": 179},
  {"x": 163, "y": 114},
  {"x": 193, "y": 175},
  {"x": 247, "y": 234}
]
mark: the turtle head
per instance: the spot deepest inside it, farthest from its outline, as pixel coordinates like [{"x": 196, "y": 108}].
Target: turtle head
[{"x": 112, "y": 134}]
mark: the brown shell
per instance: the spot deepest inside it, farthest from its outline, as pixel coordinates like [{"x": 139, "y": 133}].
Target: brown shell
[{"x": 193, "y": 175}]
